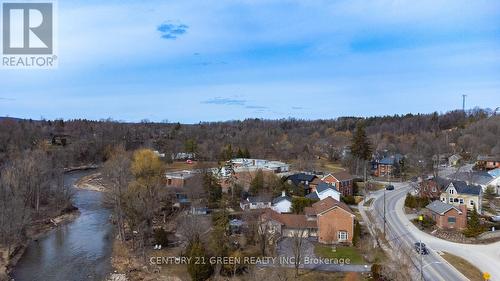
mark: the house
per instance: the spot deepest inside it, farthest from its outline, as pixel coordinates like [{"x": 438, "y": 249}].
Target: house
[
  {"x": 342, "y": 181},
  {"x": 323, "y": 191},
  {"x": 459, "y": 193},
  {"x": 283, "y": 203},
  {"x": 447, "y": 216},
  {"x": 256, "y": 202},
  {"x": 307, "y": 181},
  {"x": 487, "y": 162},
  {"x": 454, "y": 159},
  {"x": 328, "y": 220},
  {"x": 246, "y": 164},
  {"x": 495, "y": 182},
  {"x": 183, "y": 156},
  {"x": 335, "y": 221},
  {"x": 179, "y": 178},
  {"x": 388, "y": 166},
  {"x": 429, "y": 188}
]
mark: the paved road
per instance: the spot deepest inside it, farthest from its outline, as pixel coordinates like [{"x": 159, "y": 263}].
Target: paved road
[
  {"x": 435, "y": 268},
  {"x": 485, "y": 257}
]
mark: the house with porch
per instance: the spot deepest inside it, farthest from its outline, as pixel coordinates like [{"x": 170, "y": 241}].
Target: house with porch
[{"x": 460, "y": 193}]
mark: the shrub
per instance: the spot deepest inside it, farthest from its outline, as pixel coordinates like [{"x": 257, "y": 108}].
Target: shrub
[
  {"x": 349, "y": 200},
  {"x": 161, "y": 237}
]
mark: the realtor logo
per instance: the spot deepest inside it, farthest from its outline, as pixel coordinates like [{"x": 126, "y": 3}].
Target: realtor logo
[{"x": 28, "y": 35}]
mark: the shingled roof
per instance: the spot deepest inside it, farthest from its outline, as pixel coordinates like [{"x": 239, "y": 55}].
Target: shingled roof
[
  {"x": 464, "y": 188},
  {"x": 441, "y": 207},
  {"x": 324, "y": 205}
]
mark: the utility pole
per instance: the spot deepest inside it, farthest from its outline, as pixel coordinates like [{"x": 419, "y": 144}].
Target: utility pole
[{"x": 463, "y": 102}]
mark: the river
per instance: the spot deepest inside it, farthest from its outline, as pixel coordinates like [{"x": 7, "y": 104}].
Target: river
[{"x": 78, "y": 251}]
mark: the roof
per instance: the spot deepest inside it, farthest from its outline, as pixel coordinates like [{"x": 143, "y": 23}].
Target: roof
[
  {"x": 313, "y": 196},
  {"x": 185, "y": 174},
  {"x": 441, "y": 207},
  {"x": 488, "y": 158},
  {"x": 257, "y": 199},
  {"x": 342, "y": 176},
  {"x": 476, "y": 177},
  {"x": 391, "y": 160},
  {"x": 290, "y": 220},
  {"x": 464, "y": 188},
  {"x": 281, "y": 198},
  {"x": 495, "y": 173},
  {"x": 324, "y": 205},
  {"x": 323, "y": 186},
  {"x": 301, "y": 177}
]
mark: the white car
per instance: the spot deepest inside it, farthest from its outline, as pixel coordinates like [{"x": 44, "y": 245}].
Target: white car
[{"x": 495, "y": 218}]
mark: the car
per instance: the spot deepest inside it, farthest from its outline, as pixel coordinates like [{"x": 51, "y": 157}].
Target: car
[
  {"x": 421, "y": 248},
  {"x": 495, "y": 218},
  {"x": 389, "y": 187}
]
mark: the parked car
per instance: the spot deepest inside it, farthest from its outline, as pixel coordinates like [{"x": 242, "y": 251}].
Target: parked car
[
  {"x": 495, "y": 218},
  {"x": 421, "y": 248},
  {"x": 389, "y": 187}
]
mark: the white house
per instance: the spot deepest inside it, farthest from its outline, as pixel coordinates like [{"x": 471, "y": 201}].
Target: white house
[
  {"x": 460, "y": 193},
  {"x": 282, "y": 204},
  {"x": 324, "y": 190},
  {"x": 253, "y": 203}
]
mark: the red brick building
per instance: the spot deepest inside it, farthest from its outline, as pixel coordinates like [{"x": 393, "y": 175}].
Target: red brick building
[
  {"x": 447, "y": 216},
  {"x": 342, "y": 181}
]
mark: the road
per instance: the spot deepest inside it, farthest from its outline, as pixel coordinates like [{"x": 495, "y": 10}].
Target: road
[{"x": 402, "y": 236}]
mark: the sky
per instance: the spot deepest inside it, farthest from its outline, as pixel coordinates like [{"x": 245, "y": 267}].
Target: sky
[{"x": 189, "y": 61}]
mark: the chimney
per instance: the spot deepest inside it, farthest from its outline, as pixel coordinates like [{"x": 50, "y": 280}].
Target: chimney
[{"x": 283, "y": 193}]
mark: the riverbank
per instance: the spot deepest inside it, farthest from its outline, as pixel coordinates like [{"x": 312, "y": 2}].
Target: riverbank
[
  {"x": 38, "y": 229},
  {"x": 94, "y": 182}
]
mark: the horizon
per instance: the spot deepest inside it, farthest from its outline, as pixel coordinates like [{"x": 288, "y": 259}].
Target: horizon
[{"x": 193, "y": 62}]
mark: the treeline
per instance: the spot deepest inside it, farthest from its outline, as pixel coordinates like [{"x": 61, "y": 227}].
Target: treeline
[{"x": 288, "y": 139}]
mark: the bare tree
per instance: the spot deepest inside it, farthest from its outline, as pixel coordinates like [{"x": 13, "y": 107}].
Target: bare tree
[{"x": 297, "y": 247}]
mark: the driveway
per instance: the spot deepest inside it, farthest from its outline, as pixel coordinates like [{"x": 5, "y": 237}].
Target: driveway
[{"x": 285, "y": 248}]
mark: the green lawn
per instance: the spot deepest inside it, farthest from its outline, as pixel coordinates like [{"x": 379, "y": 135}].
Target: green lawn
[{"x": 340, "y": 252}]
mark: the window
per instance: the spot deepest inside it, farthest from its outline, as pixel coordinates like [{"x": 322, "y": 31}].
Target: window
[
  {"x": 169, "y": 181},
  {"x": 434, "y": 189},
  {"x": 451, "y": 191},
  {"x": 452, "y": 220},
  {"x": 451, "y": 200},
  {"x": 471, "y": 202},
  {"x": 456, "y": 200},
  {"x": 342, "y": 235},
  {"x": 461, "y": 200}
]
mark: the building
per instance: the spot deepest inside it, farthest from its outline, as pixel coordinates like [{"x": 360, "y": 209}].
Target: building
[
  {"x": 481, "y": 178},
  {"x": 323, "y": 191},
  {"x": 342, "y": 181},
  {"x": 335, "y": 221},
  {"x": 447, "y": 216},
  {"x": 432, "y": 187},
  {"x": 283, "y": 203},
  {"x": 329, "y": 221},
  {"x": 246, "y": 164},
  {"x": 256, "y": 202},
  {"x": 487, "y": 162},
  {"x": 307, "y": 181},
  {"x": 454, "y": 159},
  {"x": 460, "y": 193},
  {"x": 388, "y": 166},
  {"x": 179, "y": 178}
]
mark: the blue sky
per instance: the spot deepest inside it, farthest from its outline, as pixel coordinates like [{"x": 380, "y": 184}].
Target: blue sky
[{"x": 191, "y": 61}]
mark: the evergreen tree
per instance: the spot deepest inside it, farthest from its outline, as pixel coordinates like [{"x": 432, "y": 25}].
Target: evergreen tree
[
  {"x": 257, "y": 183},
  {"x": 239, "y": 153},
  {"x": 361, "y": 146},
  {"x": 246, "y": 153},
  {"x": 199, "y": 268},
  {"x": 213, "y": 188}
]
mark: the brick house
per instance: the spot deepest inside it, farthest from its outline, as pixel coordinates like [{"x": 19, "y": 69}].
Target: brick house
[
  {"x": 488, "y": 162},
  {"x": 342, "y": 181},
  {"x": 432, "y": 187},
  {"x": 328, "y": 220},
  {"x": 447, "y": 216},
  {"x": 387, "y": 166}
]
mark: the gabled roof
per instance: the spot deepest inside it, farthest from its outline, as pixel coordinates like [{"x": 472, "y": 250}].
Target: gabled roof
[
  {"x": 464, "y": 188},
  {"x": 325, "y": 205},
  {"x": 281, "y": 198},
  {"x": 342, "y": 176},
  {"x": 301, "y": 177},
  {"x": 477, "y": 177},
  {"x": 290, "y": 220},
  {"x": 323, "y": 186},
  {"x": 441, "y": 207}
]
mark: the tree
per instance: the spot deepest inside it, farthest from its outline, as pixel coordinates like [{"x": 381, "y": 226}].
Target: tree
[
  {"x": 361, "y": 146},
  {"x": 257, "y": 183},
  {"x": 142, "y": 196},
  {"x": 299, "y": 203},
  {"x": 117, "y": 171},
  {"x": 474, "y": 226},
  {"x": 212, "y": 187},
  {"x": 199, "y": 268},
  {"x": 297, "y": 249},
  {"x": 190, "y": 145}
]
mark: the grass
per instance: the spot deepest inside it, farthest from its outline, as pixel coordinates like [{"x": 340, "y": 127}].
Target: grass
[
  {"x": 350, "y": 253},
  {"x": 368, "y": 203},
  {"x": 466, "y": 268}
]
